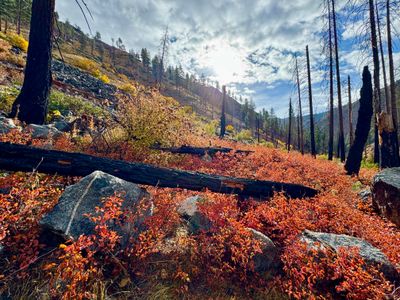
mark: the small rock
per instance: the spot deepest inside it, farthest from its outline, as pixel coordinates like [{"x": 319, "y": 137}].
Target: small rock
[
  {"x": 1, "y": 249},
  {"x": 370, "y": 254},
  {"x": 68, "y": 218},
  {"x": 197, "y": 221},
  {"x": 386, "y": 194},
  {"x": 6, "y": 125},
  {"x": 43, "y": 131},
  {"x": 266, "y": 261},
  {"x": 365, "y": 194},
  {"x": 62, "y": 126}
]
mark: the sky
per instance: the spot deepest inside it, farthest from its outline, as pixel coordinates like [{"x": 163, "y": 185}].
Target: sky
[{"x": 248, "y": 45}]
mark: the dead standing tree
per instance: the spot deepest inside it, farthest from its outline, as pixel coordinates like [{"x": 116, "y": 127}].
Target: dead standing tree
[{"x": 310, "y": 97}]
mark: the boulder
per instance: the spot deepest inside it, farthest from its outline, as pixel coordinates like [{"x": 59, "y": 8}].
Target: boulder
[
  {"x": 189, "y": 211},
  {"x": 43, "y": 131},
  {"x": 386, "y": 194},
  {"x": 6, "y": 125},
  {"x": 268, "y": 260},
  {"x": 68, "y": 218},
  {"x": 370, "y": 254},
  {"x": 62, "y": 126}
]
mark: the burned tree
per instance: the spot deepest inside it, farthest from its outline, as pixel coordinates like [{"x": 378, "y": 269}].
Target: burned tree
[
  {"x": 312, "y": 128},
  {"x": 223, "y": 117},
  {"x": 289, "y": 140},
  {"x": 31, "y": 104},
  {"x": 341, "y": 145},
  {"x": 351, "y": 134},
  {"x": 363, "y": 127}
]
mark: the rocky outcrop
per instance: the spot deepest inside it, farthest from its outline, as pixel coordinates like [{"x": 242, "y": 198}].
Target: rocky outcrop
[
  {"x": 43, "y": 131},
  {"x": 82, "y": 81},
  {"x": 386, "y": 194},
  {"x": 370, "y": 254},
  {"x": 69, "y": 218}
]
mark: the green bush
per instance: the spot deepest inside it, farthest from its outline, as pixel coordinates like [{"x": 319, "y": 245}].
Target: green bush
[
  {"x": 7, "y": 97},
  {"x": 77, "y": 105},
  {"x": 244, "y": 136}
]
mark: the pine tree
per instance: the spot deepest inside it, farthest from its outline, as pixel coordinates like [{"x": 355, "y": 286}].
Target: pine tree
[
  {"x": 223, "y": 120},
  {"x": 145, "y": 56}
]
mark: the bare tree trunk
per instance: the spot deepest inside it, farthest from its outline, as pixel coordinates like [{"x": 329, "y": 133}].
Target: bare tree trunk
[
  {"x": 363, "y": 127},
  {"x": 377, "y": 88},
  {"x": 31, "y": 104},
  {"x": 223, "y": 120},
  {"x": 339, "y": 88},
  {"x": 312, "y": 129},
  {"x": 387, "y": 92},
  {"x": 298, "y": 133},
  {"x": 301, "y": 139},
  {"x": 331, "y": 98},
  {"x": 351, "y": 134},
  {"x": 19, "y": 12},
  {"x": 289, "y": 142},
  {"x": 392, "y": 88}
]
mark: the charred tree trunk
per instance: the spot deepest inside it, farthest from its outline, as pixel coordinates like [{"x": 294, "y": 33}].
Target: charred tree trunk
[
  {"x": 312, "y": 128},
  {"x": 223, "y": 120},
  {"x": 24, "y": 158},
  {"x": 331, "y": 91},
  {"x": 363, "y": 127},
  {"x": 351, "y": 134},
  {"x": 393, "y": 98},
  {"x": 301, "y": 136},
  {"x": 339, "y": 87},
  {"x": 31, "y": 104},
  {"x": 377, "y": 89}
]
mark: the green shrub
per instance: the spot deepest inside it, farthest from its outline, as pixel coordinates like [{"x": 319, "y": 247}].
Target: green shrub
[
  {"x": 77, "y": 105},
  {"x": 7, "y": 97},
  {"x": 16, "y": 40},
  {"x": 244, "y": 136}
]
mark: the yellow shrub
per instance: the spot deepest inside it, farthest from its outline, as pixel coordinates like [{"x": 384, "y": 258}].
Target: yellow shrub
[
  {"x": 230, "y": 128},
  {"x": 18, "y": 41},
  {"x": 104, "y": 78},
  {"x": 129, "y": 89}
]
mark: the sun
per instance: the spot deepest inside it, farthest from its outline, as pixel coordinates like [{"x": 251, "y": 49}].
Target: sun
[{"x": 227, "y": 63}]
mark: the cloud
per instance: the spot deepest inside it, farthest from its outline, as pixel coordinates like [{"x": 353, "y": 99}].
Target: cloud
[{"x": 244, "y": 44}]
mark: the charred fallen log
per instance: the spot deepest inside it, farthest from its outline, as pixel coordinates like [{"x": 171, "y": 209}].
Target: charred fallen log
[{"x": 24, "y": 158}]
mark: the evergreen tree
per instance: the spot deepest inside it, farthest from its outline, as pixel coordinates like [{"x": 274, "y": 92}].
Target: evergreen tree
[{"x": 145, "y": 56}]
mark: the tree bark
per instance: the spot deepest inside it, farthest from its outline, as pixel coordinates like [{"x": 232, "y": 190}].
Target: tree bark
[
  {"x": 24, "y": 158},
  {"x": 339, "y": 88},
  {"x": 363, "y": 127},
  {"x": 393, "y": 98},
  {"x": 31, "y": 104},
  {"x": 312, "y": 128}
]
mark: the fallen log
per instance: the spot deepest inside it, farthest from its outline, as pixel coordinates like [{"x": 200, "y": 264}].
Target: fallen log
[
  {"x": 24, "y": 158},
  {"x": 199, "y": 150}
]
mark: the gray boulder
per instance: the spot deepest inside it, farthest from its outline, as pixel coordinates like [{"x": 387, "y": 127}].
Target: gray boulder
[
  {"x": 62, "y": 126},
  {"x": 386, "y": 194},
  {"x": 268, "y": 260},
  {"x": 189, "y": 211},
  {"x": 43, "y": 131},
  {"x": 6, "y": 125},
  {"x": 68, "y": 218},
  {"x": 370, "y": 254}
]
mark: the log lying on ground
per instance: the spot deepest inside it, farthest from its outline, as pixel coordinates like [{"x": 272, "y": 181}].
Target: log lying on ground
[
  {"x": 199, "y": 150},
  {"x": 24, "y": 158}
]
